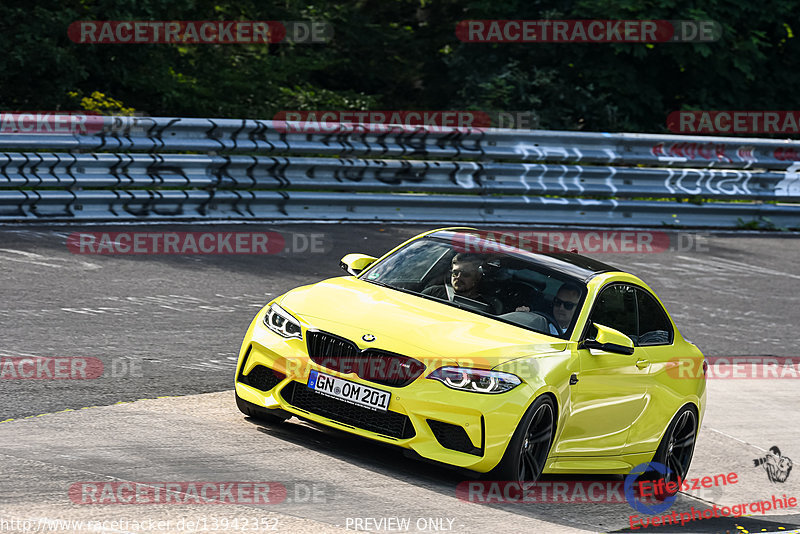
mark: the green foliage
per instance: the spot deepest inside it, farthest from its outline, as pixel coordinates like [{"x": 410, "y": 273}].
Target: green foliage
[
  {"x": 402, "y": 54},
  {"x": 100, "y": 103},
  {"x": 762, "y": 223},
  {"x": 633, "y": 87}
]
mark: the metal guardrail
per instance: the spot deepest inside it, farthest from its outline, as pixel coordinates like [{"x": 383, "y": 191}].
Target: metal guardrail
[{"x": 137, "y": 168}]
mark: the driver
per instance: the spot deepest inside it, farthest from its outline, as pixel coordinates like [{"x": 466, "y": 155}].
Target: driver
[{"x": 465, "y": 275}]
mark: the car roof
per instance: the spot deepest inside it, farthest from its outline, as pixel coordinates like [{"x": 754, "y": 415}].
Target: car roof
[{"x": 561, "y": 261}]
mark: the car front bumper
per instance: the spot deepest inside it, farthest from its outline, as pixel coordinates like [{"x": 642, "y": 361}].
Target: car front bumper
[{"x": 459, "y": 428}]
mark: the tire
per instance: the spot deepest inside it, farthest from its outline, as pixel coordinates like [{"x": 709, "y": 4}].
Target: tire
[
  {"x": 676, "y": 449},
  {"x": 529, "y": 447},
  {"x": 273, "y": 417}
]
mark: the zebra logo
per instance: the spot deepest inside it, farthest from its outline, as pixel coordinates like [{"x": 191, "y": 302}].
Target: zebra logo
[{"x": 777, "y": 467}]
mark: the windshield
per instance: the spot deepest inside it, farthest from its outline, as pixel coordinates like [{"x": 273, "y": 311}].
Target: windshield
[{"x": 505, "y": 286}]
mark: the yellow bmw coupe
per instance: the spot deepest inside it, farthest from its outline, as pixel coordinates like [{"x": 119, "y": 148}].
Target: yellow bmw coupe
[{"x": 483, "y": 355}]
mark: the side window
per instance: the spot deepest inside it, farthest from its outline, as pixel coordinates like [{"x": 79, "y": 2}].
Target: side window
[
  {"x": 616, "y": 308},
  {"x": 654, "y": 326}
]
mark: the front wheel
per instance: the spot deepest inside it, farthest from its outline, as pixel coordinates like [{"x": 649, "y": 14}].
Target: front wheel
[{"x": 527, "y": 451}]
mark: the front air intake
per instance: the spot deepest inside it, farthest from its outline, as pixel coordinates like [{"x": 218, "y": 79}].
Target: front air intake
[
  {"x": 453, "y": 437},
  {"x": 262, "y": 378}
]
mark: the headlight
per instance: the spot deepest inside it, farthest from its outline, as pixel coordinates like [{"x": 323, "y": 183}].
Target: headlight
[
  {"x": 282, "y": 323},
  {"x": 475, "y": 380}
]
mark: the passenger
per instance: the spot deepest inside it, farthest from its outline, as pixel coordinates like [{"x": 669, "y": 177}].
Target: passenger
[{"x": 564, "y": 305}]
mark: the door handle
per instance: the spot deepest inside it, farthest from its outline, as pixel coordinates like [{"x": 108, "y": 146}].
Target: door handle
[{"x": 641, "y": 364}]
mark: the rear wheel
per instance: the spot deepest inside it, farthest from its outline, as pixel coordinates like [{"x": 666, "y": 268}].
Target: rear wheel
[
  {"x": 527, "y": 451},
  {"x": 266, "y": 415},
  {"x": 676, "y": 449}
]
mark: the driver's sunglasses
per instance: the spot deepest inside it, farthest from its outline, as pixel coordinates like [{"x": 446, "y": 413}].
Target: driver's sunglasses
[
  {"x": 564, "y": 303},
  {"x": 459, "y": 272}
]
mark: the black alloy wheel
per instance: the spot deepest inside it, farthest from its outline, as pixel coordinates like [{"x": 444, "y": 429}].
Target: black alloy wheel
[
  {"x": 536, "y": 445},
  {"x": 526, "y": 454},
  {"x": 676, "y": 450}
]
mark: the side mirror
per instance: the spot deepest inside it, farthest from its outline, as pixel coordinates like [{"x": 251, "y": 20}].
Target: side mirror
[
  {"x": 609, "y": 340},
  {"x": 355, "y": 263}
]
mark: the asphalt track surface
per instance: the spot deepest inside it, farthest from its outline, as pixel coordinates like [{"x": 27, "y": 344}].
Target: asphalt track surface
[{"x": 170, "y": 325}]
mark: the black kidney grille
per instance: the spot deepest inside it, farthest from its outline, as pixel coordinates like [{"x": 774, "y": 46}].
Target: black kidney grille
[
  {"x": 375, "y": 365},
  {"x": 322, "y": 345},
  {"x": 388, "y": 423}
]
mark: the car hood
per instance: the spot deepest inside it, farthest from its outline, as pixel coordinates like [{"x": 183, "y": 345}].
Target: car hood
[{"x": 412, "y": 325}]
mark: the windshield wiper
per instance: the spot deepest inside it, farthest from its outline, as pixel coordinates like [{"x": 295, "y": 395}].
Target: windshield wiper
[{"x": 384, "y": 284}]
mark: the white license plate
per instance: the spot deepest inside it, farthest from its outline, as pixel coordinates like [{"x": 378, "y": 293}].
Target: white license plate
[{"x": 348, "y": 391}]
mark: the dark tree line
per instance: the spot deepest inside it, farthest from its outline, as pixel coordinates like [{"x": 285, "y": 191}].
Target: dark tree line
[{"x": 402, "y": 54}]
